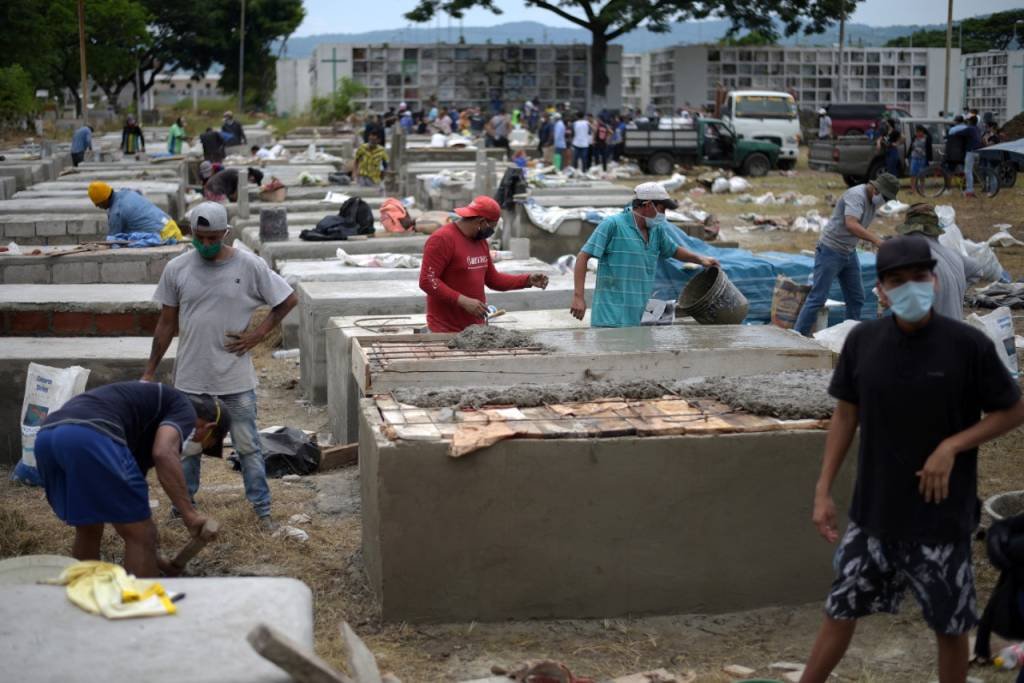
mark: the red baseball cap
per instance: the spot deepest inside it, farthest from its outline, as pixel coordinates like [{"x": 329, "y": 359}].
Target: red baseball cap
[{"x": 482, "y": 207}]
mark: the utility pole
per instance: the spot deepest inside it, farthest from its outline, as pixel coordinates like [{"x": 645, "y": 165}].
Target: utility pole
[
  {"x": 949, "y": 48},
  {"x": 840, "y": 77},
  {"x": 81, "y": 60},
  {"x": 242, "y": 60}
]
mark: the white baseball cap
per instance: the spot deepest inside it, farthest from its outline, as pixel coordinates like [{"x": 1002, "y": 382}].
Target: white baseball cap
[
  {"x": 822, "y": 111},
  {"x": 209, "y": 217},
  {"x": 654, "y": 192}
]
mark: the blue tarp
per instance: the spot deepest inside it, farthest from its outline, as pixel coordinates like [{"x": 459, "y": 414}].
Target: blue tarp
[{"x": 754, "y": 275}]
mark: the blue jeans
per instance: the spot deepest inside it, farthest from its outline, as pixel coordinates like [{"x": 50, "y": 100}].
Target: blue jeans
[
  {"x": 246, "y": 440},
  {"x": 970, "y": 159},
  {"x": 581, "y": 157},
  {"x": 829, "y": 265},
  {"x": 917, "y": 164}
]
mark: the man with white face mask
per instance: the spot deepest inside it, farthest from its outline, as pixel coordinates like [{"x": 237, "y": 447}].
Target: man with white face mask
[
  {"x": 916, "y": 383},
  {"x": 836, "y": 253},
  {"x": 628, "y": 246}
]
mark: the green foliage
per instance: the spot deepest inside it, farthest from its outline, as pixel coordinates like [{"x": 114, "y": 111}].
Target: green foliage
[
  {"x": 608, "y": 19},
  {"x": 751, "y": 38},
  {"x": 338, "y": 105},
  {"x": 994, "y": 32},
  {"x": 17, "y": 96}
]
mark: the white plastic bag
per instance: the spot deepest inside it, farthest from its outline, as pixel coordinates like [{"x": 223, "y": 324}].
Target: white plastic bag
[
  {"x": 998, "y": 325},
  {"x": 738, "y": 184},
  {"x": 674, "y": 183},
  {"x": 720, "y": 186},
  {"x": 46, "y": 390},
  {"x": 893, "y": 206}
]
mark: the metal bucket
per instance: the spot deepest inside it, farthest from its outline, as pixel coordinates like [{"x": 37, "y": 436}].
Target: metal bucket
[{"x": 711, "y": 299}]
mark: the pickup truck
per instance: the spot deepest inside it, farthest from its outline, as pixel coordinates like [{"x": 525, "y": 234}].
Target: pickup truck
[
  {"x": 857, "y": 157},
  {"x": 709, "y": 142}
]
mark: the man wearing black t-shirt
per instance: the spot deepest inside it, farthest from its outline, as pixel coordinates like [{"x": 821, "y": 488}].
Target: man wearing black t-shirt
[
  {"x": 917, "y": 384},
  {"x": 94, "y": 452}
]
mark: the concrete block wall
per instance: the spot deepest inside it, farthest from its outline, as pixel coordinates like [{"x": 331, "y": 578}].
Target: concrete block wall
[
  {"x": 44, "y": 322},
  {"x": 8, "y": 186},
  {"x": 122, "y": 266},
  {"x": 55, "y": 230}
]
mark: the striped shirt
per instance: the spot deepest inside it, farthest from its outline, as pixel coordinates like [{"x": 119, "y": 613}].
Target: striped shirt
[
  {"x": 370, "y": 161},
  {"x": 625, "y": 273}
]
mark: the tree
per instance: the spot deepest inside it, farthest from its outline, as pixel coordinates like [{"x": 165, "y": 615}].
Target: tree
[
  {"x": 609, "y": 19},
  {"x": 338, "y": 105},
  {"x": 752, "y": 38},
  {"x": 993, "y": 32},
  {"x": 17, "y": 97}
]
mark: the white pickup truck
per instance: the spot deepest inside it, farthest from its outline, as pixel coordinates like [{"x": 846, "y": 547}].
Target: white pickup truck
[{"x": 765, "y": 115}]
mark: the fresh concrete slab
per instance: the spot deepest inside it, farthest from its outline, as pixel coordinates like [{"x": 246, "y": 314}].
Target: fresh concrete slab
[
  {"x": 106, "y": 266},
  {"x": 342, "y": 390},
  {"x": 45, "y": 638},
  {"x": 321, "y": 301},
  {"x": 101, "y": 298},
  {"x": 273, "y": 252},
  {"x": 630, "y": 525},
  {"x": 333, "y": 270},
  {"x": 110, "y": 359}
]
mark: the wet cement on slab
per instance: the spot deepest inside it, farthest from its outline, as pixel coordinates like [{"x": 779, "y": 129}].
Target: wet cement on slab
[
  {"x": 530, "y": 395},
  {"x": 794, "y": 395},
  {"x": 482, "y": 337}
]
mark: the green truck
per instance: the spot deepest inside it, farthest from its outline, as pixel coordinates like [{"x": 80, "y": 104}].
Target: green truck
[{"x": 708, "y": 142}]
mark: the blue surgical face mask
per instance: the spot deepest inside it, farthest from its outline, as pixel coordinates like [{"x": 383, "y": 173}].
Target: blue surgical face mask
[{"x": 911, "y": 301}]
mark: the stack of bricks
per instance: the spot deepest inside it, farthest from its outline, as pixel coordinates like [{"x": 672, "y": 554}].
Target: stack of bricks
[
  {"x": 52, "y": 229},
  {"x": 54, "y": 323}
]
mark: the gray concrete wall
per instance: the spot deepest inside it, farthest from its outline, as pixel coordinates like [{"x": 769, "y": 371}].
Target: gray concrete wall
[
  {"x": 80, "y": 206},
  {"x": 109, "y": 359},
  {"x": 321, "y": 301},
  {"x": 110, "y": 266},
  {"x": 40, "y": 228},
  {"x": 572, "y": 528}
]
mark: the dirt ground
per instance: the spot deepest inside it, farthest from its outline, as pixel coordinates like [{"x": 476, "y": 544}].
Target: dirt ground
[{"x": 885, "y": 648}]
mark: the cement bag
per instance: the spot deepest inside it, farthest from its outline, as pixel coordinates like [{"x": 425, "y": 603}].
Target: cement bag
[
  {"x": 46, "y": 390},
  {"x": 787, "y": 299},
  {"x": 998, "y": 325}
]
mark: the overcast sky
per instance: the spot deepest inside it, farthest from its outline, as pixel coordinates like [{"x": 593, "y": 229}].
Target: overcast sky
[{"x": 334, "y": 16}]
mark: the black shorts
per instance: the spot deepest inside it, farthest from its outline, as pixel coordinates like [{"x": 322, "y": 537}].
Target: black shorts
[{"x": 872, "y": 575}]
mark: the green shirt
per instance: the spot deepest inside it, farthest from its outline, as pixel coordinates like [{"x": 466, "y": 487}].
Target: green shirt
[
  {"x": 626, "y": 268},
  {"x": 175, "y": 136}
]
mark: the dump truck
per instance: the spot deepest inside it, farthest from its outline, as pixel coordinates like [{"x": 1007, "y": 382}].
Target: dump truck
[{"x": 708, "y": 142}]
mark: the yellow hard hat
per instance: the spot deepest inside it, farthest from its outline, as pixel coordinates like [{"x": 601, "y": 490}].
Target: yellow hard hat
[{"x": 99, "y": 192}]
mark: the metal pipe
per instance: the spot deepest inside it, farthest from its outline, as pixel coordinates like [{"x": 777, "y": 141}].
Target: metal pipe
[{"x": 949, "y": 48}]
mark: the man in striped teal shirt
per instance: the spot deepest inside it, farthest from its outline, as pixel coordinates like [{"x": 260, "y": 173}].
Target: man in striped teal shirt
[{"x": 628, "y": 246}]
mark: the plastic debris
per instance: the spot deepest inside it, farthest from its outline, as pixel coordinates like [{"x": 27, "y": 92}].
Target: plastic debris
[{"x": 292, "y": 532}]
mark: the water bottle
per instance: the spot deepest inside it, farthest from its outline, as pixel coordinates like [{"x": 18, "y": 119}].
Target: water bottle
[{"x": 1010, "y": 657}]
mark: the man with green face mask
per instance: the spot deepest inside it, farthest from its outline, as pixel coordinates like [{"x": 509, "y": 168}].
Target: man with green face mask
[
  {"x": 209, "y": 295},
  {"x": 917, "y": 384}
]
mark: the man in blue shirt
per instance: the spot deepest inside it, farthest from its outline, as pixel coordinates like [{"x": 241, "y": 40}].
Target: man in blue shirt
[
  {"x": 94, "y": 452},
  {"x": 628, "y": 246},
  {"x": 559, "y": 136},
  {"x": 80, "y": 142},
  {"x": 972, "y": 138},
  {"x": 128, "y": 211}
]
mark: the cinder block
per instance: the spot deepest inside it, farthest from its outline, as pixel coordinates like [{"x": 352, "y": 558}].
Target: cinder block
[
  {"x": 81, "y": 227},
  {"x": 19, "y": 229},
  {"x": 68, "y": 273},
  {"x": 61, "y": 240},
  {"x": 128, "y": 272},
  {"x": 90, "y": 273},
  {"x": 51, "y": 228},
  {"x": 28, "y": 274},
  {"x": 8, "y": 186}
]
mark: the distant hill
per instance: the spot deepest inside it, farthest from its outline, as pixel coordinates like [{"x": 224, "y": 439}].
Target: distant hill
[{"x": 640, "y": 40}]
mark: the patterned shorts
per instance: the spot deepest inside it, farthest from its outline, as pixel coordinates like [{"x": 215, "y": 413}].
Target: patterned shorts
[{"x": 872, "y": 575}]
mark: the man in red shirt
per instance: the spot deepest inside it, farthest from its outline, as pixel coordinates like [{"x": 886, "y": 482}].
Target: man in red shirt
[{"x": 457, "y": 264}]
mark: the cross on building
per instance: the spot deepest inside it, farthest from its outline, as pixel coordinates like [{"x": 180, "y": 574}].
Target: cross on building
[{"x": 334, "y": 61}]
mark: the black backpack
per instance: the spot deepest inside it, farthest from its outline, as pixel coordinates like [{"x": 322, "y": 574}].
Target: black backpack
[
  {"x": 1004, "y": 615},
  {"x": 354, "y": 218},
  {"x": 512, "y": 183}
]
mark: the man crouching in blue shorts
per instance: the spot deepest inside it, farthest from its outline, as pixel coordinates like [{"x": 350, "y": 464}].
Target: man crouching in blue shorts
[
  {"x": 94, "y": 452},
  {"x": 917, "y": 383}
]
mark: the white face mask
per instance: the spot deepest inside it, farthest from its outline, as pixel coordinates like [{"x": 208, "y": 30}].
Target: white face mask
[{"x": 191, "y": 447}]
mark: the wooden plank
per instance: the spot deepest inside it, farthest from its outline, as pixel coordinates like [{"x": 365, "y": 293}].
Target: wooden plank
[
  {"x": 336, "y": 457},
  {"x": 360, "y": 367},
  {"x": 298, "y": 661},
  {"x": 362, "y": 665}
]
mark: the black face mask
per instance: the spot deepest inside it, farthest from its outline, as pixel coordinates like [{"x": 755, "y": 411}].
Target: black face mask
[{"x": 485, "y": 233}]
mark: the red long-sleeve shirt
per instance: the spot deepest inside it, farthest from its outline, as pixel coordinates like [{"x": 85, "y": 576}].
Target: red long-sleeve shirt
[{"x": 452, "y": 265}]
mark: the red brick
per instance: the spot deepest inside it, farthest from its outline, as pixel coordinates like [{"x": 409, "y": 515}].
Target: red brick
[
  {"x": 72, "y": 324},
  {"x": 108, "y": 324},
  {"x": 29, "y": 322},
  {"x": 147, "y": 322}
]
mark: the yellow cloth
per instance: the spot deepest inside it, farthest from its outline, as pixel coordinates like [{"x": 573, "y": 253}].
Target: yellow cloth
[
  {"x": 99, "y": 192},
  {"x": 170, "y": 230},
  {"x": 107, "y": 589}
]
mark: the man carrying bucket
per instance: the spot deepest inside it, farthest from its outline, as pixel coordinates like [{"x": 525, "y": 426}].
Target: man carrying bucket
[{"x": 628, "y": 246}]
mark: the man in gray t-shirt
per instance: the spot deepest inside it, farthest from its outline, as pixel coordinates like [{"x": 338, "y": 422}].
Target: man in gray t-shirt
[
  {"x": 836, "y": 254},
  {"x": 209, "y": 295}
]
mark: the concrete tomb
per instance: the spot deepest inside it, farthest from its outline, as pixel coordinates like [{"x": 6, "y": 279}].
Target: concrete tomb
[
  {"x": 61, "y": 266},
  {"x": 103, "y": 310}
]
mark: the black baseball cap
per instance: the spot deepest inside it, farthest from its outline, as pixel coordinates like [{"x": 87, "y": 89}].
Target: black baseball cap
[{"x": 903, "y": 252}]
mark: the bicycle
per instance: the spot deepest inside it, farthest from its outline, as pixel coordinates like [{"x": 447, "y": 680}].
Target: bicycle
[{"x": 934, "y": 180}]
